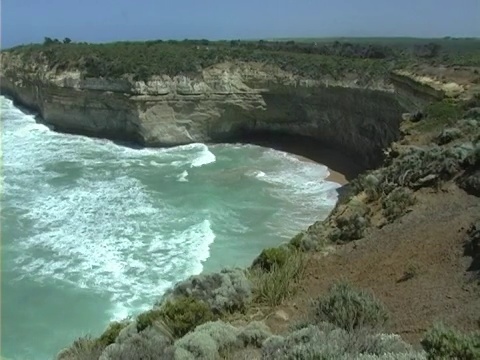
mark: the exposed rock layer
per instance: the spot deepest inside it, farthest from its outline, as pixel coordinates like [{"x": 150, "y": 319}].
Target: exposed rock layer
[{"x": 224, "y": 103}]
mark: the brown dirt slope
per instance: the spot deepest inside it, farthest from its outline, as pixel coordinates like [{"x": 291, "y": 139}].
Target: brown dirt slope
[{"x": 429, "y": 242}]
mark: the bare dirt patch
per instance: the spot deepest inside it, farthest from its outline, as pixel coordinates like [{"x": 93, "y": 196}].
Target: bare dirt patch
[{"x": 416, "y": 266}]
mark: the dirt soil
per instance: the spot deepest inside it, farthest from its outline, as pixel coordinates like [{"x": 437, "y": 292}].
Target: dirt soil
[{"x": 428, "y": 241}]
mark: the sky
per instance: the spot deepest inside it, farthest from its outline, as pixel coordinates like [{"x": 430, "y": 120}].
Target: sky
[{"x": 27, "y": 21}]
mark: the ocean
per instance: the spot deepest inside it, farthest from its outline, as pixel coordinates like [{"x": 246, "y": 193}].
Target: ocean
[{"x": 93, "y": 231}]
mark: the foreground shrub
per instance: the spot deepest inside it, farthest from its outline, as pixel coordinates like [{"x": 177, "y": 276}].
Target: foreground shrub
[
  {"x": 329, "y": 342},
  {"x": 184, "y": 314},
  {"x": 254, "y": 333},
  {"x": 271, "y": 257},
  {"x": 309, "y": 241},
  {"x": 226, "y": 291},
  {"x": 82, "y": 349},
  {"x": 422, "y": 167},
  {"x": 397, "y": 202},
  {"x": 349, "y": 308},
  {"x": 147, "y": 345},
  {"x": 441, "y": 342},
  {"x": 449, "y": 135},
  {"x": 217, "y": 339},
  {"x": 147, "y": 318},
  {"x": 207, "y": 341},
  {"x": 472, "y": 245},
  {"x": 108, "y": 337},
  {"x": 177, "y": 316},
  {"x": 349, "y": 228},
  {"x": 273, "y": 286}
]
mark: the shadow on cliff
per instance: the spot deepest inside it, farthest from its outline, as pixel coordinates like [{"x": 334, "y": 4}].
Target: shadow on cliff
[{"x": 308, "y": 148}]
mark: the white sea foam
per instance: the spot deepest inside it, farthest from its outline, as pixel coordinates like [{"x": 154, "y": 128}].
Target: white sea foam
[
  {"x": 205, "y": 157},
  {"x": 100, "y": 231},
  {"x": 183, "y": 176},
  {"x": 110, "y": 229},
  {"x": 297, "y": 181}
]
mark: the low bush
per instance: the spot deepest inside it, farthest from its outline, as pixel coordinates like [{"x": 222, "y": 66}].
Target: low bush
[
  {"x": 349, "y": 228},
  {"x": 397, "y": 202},
  {"x": 254, "y": 334},
  {"x": 449, "y": 135},
  {"x": 108, "y": 337},
  {"x": 84, "y": 348},
  {"x": 326, "y": 342},
  {"x": 226, "y": 291},
  {"x": 184, "y": 314},
  {"x": 176, "y": 316},
  {"x": 207, "y": 341},
  {"x": 147, "y": 345},
  {"x": 271, "y": 257},
  {"x": 305, "y": 241},
  {"x": 371, "y": 186},
  {"x": 273, "y": 286},
  {"x": 442, "y": 342},
  {"x": 472, "y": 244},
  {"x": 421, "y": 167},
  {"x": 349, "y": 308},
  {"x": 147, "y": 318}
]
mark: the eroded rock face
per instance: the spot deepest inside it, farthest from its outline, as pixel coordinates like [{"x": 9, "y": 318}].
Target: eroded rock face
[{"x": 223, "y": 103}]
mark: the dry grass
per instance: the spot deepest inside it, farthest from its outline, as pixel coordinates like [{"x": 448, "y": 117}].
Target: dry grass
[{"x": 275, "y": 285}]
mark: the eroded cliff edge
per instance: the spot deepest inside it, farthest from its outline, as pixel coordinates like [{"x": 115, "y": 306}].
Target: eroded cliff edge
[{"x": 224, "y": 102}]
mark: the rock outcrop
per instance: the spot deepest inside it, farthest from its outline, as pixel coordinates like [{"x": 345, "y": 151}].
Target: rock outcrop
[{"x": 223, "y": 103}]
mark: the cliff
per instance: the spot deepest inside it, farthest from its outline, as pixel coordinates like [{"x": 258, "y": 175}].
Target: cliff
[{"x": 224, "y": 102}]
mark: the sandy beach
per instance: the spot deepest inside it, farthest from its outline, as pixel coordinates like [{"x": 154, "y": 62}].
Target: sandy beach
[{"x": 342, "y": 168}]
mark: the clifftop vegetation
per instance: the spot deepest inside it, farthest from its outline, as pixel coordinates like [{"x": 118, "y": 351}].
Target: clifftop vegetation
[{"x": 310, "y": 59}]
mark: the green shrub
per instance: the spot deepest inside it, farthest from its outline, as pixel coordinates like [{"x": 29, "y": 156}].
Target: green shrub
[
  {"x": 306, "y": 242},
  {"x": 184, "y": 314},
  {"x": 273, "y": 286},
  {"x": 327, "y": 342},
  {"x": 440, "y": 114},
  {"x": 226, "y": 291},
  {"x": 271, "y": 257},
  {"x": 207, "y": 341},
  {"x": 147, "y": 345},
  {"x": 108, "y": 337},
  {"x": 442, "y": 342},
  {"x": 349, "y": 308},
  {"x": 349, "y": 228},
  {"x": 449, "y": 135},
  {"x": 422, "y": 167},
  {"x": 147, "y": 318},
  {"x": 371, "y": 185},
  {"x": 84, "y": 348},
  {"x": 444, "y": 110},
  {"x": 254, "y": 334},
  {"x": 397, "y": 202},
  {"x": 296, "y": 241}
]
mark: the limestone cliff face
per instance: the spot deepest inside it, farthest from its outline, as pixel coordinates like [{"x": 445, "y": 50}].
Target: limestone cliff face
[{"x": 223, "y": 103}]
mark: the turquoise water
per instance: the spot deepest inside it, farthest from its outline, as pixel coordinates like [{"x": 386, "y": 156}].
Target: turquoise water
[{"x": 93, "y": 231}]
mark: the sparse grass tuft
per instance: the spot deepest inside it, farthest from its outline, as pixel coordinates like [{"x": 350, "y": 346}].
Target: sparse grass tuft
[
  {"x": 84, "y": 348},
  {"x": 275, "y": 285}
]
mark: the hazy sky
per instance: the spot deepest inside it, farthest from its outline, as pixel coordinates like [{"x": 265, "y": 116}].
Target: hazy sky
[{"x": 25, "y": 21}]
